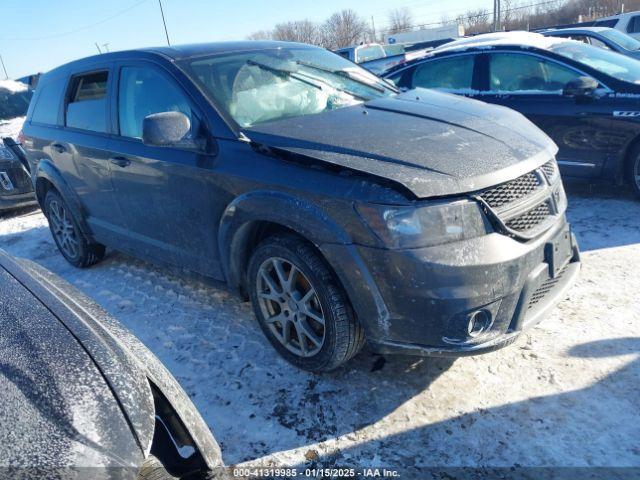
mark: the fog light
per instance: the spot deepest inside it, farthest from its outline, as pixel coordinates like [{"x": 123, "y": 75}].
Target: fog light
[{"x": 479, "y": 322}]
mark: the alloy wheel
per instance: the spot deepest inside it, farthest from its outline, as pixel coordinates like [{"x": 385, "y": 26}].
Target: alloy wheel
[
  {"x": 63, "y": 229},
  {"x": 291, "y": 307}
]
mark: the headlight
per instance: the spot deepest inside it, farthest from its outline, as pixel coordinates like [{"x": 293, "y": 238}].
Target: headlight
[{"x": 429, "y": 224}]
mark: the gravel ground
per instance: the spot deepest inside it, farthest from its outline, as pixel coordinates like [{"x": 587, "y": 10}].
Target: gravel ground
[{"x": 566, "y": 394}]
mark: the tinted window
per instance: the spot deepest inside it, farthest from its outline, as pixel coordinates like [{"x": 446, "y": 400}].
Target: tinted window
[
  {"x": 611, "y": 63},
  {"x": 453, "y": 73},
  {"x": 512, "y": 72},
  {"x": 606, "y": 23},
  {"x": 87, "y": 107},
  {"x": 144, "y": 91},
  {"x": 634, "y": 25},
  {"x": 48, "y": 101}
]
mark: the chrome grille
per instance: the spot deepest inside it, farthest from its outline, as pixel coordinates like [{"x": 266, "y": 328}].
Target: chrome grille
[
  {"x": 512, "y": 191},
  {"x": 530, "y": 219}
]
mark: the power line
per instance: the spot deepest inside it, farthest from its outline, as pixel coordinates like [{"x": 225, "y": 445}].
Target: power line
[
  {"x": 86, "y": 27},
  {"x": 470, "y": 17},
  {"x": 166, "y": 32}
]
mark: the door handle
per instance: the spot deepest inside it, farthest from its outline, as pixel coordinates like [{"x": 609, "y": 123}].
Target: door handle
[
  {"x": 120, "y": 161},
  {"x": 58, "y": 147}
]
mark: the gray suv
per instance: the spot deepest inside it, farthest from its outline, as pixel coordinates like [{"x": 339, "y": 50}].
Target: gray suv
[{"x": 346, "y": 211}]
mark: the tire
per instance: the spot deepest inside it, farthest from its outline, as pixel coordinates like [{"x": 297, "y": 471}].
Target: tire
[
  {"x": 152, "y": 469},
  {"x": 633, "y": 171},
  {"x": 289, "y": 311},
  {"x": 70, "y": 240}
]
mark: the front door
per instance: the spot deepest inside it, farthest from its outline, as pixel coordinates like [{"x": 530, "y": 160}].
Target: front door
[
  {"x": 167, "y": 195},
  {"x": 533, "y": 85}
]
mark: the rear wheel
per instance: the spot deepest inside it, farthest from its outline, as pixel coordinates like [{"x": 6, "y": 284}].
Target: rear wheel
[
  {"x": 71, "y": 242},
  {"x": 300, "y": 306}
]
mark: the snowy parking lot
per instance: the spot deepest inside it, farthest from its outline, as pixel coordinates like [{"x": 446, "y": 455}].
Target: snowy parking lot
[{"x": 566, "y": 394}]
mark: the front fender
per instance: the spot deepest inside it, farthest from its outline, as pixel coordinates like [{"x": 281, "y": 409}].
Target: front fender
[
  {"x": 46, "y": 171},
  {"x": 296, "y": 214}
]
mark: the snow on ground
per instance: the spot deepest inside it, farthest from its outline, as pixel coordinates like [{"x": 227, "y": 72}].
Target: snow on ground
[
  {"x": 11, "y": 128},
  {"x": 566, "y": 394}
]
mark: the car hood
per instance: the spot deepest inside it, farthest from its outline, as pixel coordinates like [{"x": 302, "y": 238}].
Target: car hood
[{"x": 431, "y": 143}]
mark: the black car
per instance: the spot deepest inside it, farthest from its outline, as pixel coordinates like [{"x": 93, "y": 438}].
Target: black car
[
  {"x": 16, "y": 189},
  {"x": 420, "y": 222},
  {"x": 601, "y": 37},
  {"x": 586, "y": 99},
  {"x": 81, "y": 397}
]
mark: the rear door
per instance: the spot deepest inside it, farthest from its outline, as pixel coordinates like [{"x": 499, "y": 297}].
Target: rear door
[
  {"x": 84, "y": 141},
  {"x": 166, "y": 194},
  {"x": 533, "y": 85}
]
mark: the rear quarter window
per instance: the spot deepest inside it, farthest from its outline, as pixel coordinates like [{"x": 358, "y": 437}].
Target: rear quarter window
[
  {"x": 48, "y": 101},
  {"x": 87, "y": 106}
]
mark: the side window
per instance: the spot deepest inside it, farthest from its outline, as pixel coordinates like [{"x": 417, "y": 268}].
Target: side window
[
  {"x": 599, "y": 43},
  {"x": 87, "y": 105},
  {"x": 634, "y": 25},
  {"x": 513, "y": 72},
  {"x": 144, "y": 91},
  {"x": 453, "y": 73},
  {"x": 48, "y": 102}
]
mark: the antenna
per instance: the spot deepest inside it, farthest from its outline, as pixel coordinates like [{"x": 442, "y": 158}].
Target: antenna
[{"x": 6, "y": 75}]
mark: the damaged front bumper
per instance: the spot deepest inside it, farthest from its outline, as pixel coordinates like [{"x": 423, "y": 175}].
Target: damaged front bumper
[{"x": 457, "y": 299}]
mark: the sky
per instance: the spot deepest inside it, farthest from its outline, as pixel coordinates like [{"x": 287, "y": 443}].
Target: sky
[{"x": 38, "y": 35}]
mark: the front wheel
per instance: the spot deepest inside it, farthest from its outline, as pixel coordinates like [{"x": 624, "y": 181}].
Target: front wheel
[
  {"x": 301, "y": 307},
  {"x": 633, "y": 172}
]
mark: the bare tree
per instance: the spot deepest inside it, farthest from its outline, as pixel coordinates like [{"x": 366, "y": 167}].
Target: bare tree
[
  {"x": 400, "y": 20},
  {"x": 260, "y": 35},
  {"x": 303, "y": 31},
  {"x": 476, "y": 21},
  {"x": 343, "y": 29}
]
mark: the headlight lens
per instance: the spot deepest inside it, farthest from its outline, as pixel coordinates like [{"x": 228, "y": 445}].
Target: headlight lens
[{"x": 425, "y": 225}]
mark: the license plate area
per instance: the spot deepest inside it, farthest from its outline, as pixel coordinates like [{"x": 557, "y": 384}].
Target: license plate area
[{"x": 559, "y": 251}]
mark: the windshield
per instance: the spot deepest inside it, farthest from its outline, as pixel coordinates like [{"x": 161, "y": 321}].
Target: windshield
[
  {"x": 608, "y": 62},
  {"x": 622, "y": 39},
  {"x": 267, "y": 85}
]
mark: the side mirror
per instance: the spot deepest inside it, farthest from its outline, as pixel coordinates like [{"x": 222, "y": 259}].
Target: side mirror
[
  {"x": 580, "y": 87},
  {"x": 166, "y": 129}
]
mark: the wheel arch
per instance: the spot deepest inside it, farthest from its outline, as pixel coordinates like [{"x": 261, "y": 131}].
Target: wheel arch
[
  {"x": 49, "y": 177},
  {"x": 632, "y": 148},
  {"x": 254, "y": 216}
]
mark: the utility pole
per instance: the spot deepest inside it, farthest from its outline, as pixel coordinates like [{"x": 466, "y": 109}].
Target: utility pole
[
  {"x": 166, "y": 32},
  {"x": 496, "y": 15},
  {"x": 373, "y": 29},
  {"x": 6, "y": 75}
]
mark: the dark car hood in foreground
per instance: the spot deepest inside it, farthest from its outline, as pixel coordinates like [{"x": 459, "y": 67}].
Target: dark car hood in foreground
[
  {"x": 432, "y": 143},
  {"x": 74, "y": 384}
]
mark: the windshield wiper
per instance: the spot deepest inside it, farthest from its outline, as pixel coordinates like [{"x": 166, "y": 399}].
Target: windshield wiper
[
  {"x": 346, "y": 74},
  {"x": 281, "y": 72}
]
